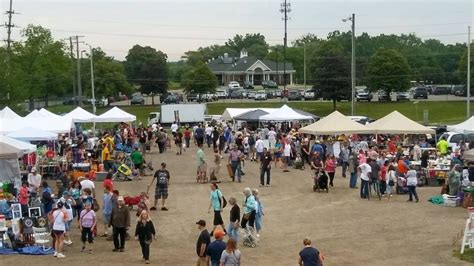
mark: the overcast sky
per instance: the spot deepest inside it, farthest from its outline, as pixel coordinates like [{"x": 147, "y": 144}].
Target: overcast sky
[{"x": 176, "y": 26}]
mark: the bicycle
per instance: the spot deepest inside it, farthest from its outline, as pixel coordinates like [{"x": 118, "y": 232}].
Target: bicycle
[{"x": 375, "y": 185}]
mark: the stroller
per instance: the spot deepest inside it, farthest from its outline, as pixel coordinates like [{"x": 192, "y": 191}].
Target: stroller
[
  {"x": 321, "y": 182},
  {"x": 401, "y": 185},
  {"x": 249, "y": 237},
  {"x": 124, "y": 173}
]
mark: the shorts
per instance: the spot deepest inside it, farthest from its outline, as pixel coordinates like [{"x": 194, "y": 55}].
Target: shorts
[
  {"x": 106, "y": 218},
  {"x": 161, "y": 193},
  {"x": 58, "y": 232},
  {"x": 218, "y": 218},
  {"x": 202, "y": 168},
  {"x": 68, "y": 225}
]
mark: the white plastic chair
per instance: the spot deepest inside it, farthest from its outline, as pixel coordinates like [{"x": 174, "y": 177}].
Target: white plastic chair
[{"x": 41, "y": 236}]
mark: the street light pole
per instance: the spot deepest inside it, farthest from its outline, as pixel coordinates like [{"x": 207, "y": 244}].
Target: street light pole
[{"x": 352, "y": 19}]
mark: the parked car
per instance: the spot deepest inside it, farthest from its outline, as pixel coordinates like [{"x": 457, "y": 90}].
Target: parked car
[
  {"x": 420, "y": 92},
  {"x": 222, "y": 93},
  {"x": 402, "y": 96},
  {"x": 269, "y": 84},
  {"x": 383, "y": 96},
  {"x": 233, "y": 85},
  {"x": 248, "y": 85},
  {"x": 260, "y": 96},
  {"x": 238, "y": 94},
  {"x": 463, "y": 92},
  {"x": 442, "y": 90},
  {"x": 294, "y": 95},
  {"x": 251, "y": 94},
  {"x": 455, "y": 89},
  {"x": 363, "y": 95},
  {"x": 137, "y": 99},
  {"x": 309, "y": 95},
  {"x": 193, "y": 97},
  {"x": 453, "y": 138},
  {"x": 171, "y": 98}
]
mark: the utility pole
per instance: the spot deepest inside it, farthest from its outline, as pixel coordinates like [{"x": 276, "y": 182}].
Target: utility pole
[
  {"x": 92, "y": 78},
  {"x": 79, "y": 87},
  {"x": 285, "y": 8},
  {"x": 71, "y": 47},
  {"x": 276, "y": 60},
  {"x": 304, "y": 64},
  {"x": 468, "y": 85},
  {"x": 9, "y": 26},
  {"x": 352, "y": 19}
]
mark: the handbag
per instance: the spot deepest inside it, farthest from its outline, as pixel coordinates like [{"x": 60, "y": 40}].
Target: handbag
[{"x": 246, "y": 216}]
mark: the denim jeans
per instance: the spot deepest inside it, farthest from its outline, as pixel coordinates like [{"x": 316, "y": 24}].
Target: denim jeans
[
  {"x": 412, "y": 192},
  {"x": 364, "y": 188},
  {"x": 236, "y": 170},
  {"x": 344, "y": 168},
  {"x": 353, "y": 180},
  {"x": 233, "y": 232}
]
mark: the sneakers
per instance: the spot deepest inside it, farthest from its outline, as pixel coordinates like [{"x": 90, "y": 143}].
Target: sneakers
[
  {"x": 55, "y": 254},
  {"x": 267, "y": 185},
  {"x": 164, "y": 209},
  {"x": 67, "y": 242},
  {"x": 60, "y": 255},
  {"x": 147, "y": 262},
  {"x": 115, "y": 250},
  {"x": 153, "y": 209}
]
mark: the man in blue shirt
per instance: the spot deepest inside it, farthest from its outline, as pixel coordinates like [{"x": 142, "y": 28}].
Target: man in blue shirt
[
  {"x": 199, "y": 134},
  {"x": 215, "y": 249},
  {"x": 317, "y": 147}
]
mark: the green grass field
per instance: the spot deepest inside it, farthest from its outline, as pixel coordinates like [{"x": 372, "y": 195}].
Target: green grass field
[
  {"x": 438, "y": 112},
  {"x": 467, "y": 256}
]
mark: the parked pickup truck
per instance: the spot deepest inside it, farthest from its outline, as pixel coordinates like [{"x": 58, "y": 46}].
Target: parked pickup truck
[{"x": 309, "y": 95}]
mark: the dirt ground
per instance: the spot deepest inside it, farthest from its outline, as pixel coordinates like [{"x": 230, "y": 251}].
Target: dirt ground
[{"x": 347, "y": 229}]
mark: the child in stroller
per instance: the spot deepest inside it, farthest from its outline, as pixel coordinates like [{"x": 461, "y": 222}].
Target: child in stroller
[
  {"x": 321, "y": 182},
  {"x": 249, "y": 237}
]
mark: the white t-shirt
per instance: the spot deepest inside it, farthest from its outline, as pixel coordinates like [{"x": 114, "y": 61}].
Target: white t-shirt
[
  {"x": 70, "y": 215},
  {"x": 174, "y": 127},
  {"x": 208, "y": 131},
  {"x": 411, "y": 178},
  {"x": 86, "y": 183},
  {"x": 287, "y": 150},
  {"x": 259, "y": 145},
  {"x": 272, "y": 135},
  {"x": 91, "y": 143},
  {"x": 365, "y": 170},
  {"x": 59, "y": 221},
  {"x": 34, "y": 181}
]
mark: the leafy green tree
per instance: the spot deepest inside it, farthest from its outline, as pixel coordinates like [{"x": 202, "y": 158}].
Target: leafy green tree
[
  {"x": 330, "y": 70},
  {"x": 388, "y": 70},
  {"x": 109, "y": 76},
  {"x": 254, "y": 43},
  {"x": 462, "y": 68},
  {"x": 200, "y": 80},
  {"x": 147, "y": 68},
  {"x": 42, "y": 63}
]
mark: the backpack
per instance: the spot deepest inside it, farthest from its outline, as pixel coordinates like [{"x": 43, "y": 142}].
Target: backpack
[{"x": 224, "y": 201}]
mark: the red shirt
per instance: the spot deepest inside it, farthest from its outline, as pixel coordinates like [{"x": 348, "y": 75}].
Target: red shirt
[
  {"x": 330, "y": 166},
  {"x": 108, "y": 183},
  {"x": 23, "y": 198}
]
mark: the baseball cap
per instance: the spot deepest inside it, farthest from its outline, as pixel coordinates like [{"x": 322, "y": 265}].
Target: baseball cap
[
  {"x": 201, "y": 222},
  {"x": 218, "y": 234}
]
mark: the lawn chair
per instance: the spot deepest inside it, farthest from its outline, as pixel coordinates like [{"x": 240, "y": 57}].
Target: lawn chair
[{"x": 41, "y": 236}]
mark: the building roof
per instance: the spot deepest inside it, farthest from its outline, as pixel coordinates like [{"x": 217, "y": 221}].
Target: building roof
[{"x": 236, "y": 64}]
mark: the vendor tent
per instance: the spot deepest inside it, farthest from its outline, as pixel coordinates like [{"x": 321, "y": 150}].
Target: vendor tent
[
  {"x": 464, "y": 127},
  {"x": 231, "y": 113},
  {"x": 335, "y": 123},
  {"x": 115, "y": 115},
  {"x": 301, "y": 112},
  {"x": 34, "y": 114},
  {"x": 47, "y": 113},
  {"x": 251, "y": 116},
  {"x": 54, "y": 125},
  {"x": 8, "y": 113},
  {"x": 79, "y": 115},
  {"x": 285, "y": 113},
  {"x": 32, "y": 134},
  {"x": 10, "y": 151},
  {"x": 396, "y": 123}
]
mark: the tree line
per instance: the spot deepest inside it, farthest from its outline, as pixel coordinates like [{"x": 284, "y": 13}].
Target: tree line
[{"x": 40, "y": 67}]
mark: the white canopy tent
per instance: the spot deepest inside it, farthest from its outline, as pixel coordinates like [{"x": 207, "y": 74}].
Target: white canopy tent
[
  {"x": 335, "y": 123},
  {"x": 79, "y": 115},
  {"x": 47, "y": 113},
  {"x": 32, "y": 134},
  {"x": 54, "y": 125},
  {"x": 34, "y": 114},
  {"x": 10, "y": 151},
  {"x": 115, "y": 115},
  {"x": 230, "y": 113},
  {"x": 464, "y": 127},
  {"x": 285, "y": 113},
  {"x": 396, "y": 123},
  {"x": 8, "y": 113}
]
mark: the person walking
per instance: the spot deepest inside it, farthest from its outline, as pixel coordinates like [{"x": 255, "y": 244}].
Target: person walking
[
  {"x": 411, "y": 183},
  {"x": 58, "y": 218},
  {"x": 233, "y": 228},
  {"x": 215, "y": 249},
  {"x": 330, "y": 168},
  {"x": 68, "y": 203},
  {"x": 87, "y": 222},
  {"x": 161, "y": 191},
  {"x": 46, "y": 198},
  {"x": 265, "y": 167},
  {"x": 145, "y": 233},
  {"x": 178, "y": 141},
  {"x": 250, "y": 207},
  {"x": 231, "y": 256},
  {"x": 216, "y": 203},
  {"x": 365, "y": 171},
  {"x": 235, "y": 155},
  {"x": 106, "y": 209},
  {"x": 187, "y": 136},
  {"x": 344, "y": 157},
  {"x": 202, "y": 243},
  {"x": 201, "y": 165},
  {"x": 259, "y": 148},
  {"x": 137, "y": 159},
  {"x": 352, "y": 167},
  {"x": 120, "y": 221},
  {"x": 258, "y": 213},
  {"x": 310, "y": 256}
]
